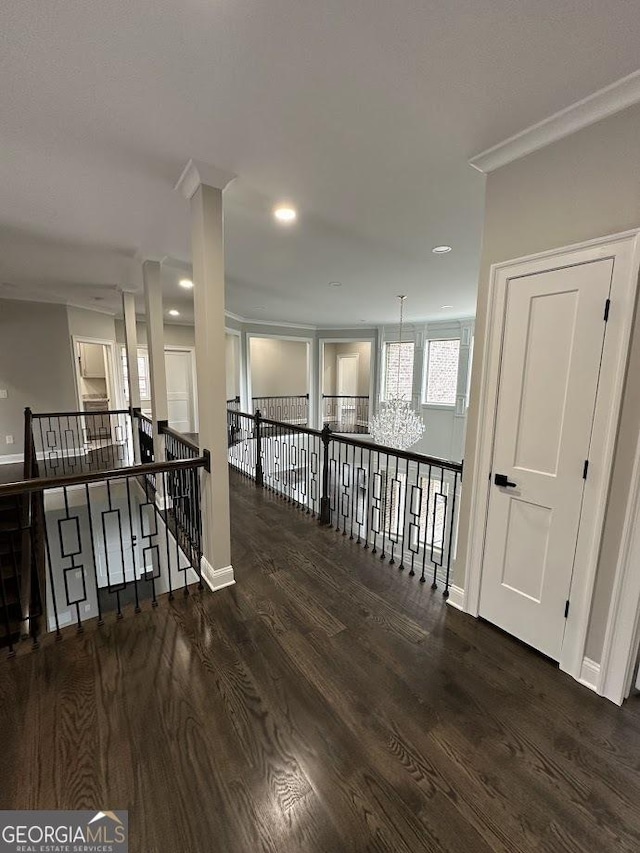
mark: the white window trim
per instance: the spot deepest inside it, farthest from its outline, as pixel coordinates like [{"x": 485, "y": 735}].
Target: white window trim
[
  {"x": 383, "y": 371},
  {"x": 447, "y": 407}
]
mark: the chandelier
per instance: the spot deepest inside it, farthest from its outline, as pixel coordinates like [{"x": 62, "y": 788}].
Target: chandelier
[{"x": 396, "y": 424}]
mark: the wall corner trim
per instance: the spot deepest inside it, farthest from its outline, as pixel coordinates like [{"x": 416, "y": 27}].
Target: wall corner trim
[
  {"x": 216, "y": 578},
  {"x": 590, "y": 674},
  {"x": 595, "y": 107},
  {"x": 456, "y": 597}
]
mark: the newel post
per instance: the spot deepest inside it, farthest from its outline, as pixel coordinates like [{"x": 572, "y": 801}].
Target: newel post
[
  {"x": 325, "y": 501},
  {"x": 257, "y": 418}
]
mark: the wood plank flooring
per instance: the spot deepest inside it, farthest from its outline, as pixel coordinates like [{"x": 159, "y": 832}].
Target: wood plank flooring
[{"x": 324, "y": 703}]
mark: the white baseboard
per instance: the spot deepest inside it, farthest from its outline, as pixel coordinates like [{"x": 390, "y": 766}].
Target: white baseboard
[
  {"x": 216, "y": 578},
  {"x": 12, "y": 459},
  {"x": 590, "y": 674},
  {"x": 456, "y": 597}
]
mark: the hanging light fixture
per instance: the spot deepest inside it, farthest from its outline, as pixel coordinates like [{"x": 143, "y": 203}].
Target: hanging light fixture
[{"x": 396, "y": 424}]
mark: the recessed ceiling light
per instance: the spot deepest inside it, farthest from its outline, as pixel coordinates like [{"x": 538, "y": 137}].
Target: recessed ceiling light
[
  {"x": 285, "y": 213},
  {"x": 335, "y": 284},
  {"x": 441, "y": 250},
  {"x": 444, "y": 307},
  {"x": 174, "y": 313},
  {"x": 186, "y": 283}
]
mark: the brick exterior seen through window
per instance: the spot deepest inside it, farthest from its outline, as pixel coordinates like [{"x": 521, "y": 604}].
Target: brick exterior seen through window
[
  {"x": 442, "y": 372},
  {"x": 402, "y": 352}
]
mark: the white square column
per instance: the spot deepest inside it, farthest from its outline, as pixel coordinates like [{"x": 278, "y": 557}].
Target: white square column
[
  {"x": 203, "y": 187},
  {"x": 157, "y": 370},
  {"x": 131, "y": 347},
  {"x": 133, "y": 377}
]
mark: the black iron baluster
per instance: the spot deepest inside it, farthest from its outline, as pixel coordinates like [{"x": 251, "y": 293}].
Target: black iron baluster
[
  {"x": 416, "y": 515},
  {"x": 72, "y": 557},
  {"x": 165, "y": 520},
  {"x": 54, "y": 595},
  {"x": 423, "y": 578},
  {"x": 259, "y": 473},
  {"x": 133, "y": 548},
  {"x": 93, "y": 552},
  {"x": 442, "y": 496},
  {"x": 452, "y": 516},
  {"x": 385, "y": 512},
  {"x": 5, "y": 610},
  {"x": 325, "y": 501}
]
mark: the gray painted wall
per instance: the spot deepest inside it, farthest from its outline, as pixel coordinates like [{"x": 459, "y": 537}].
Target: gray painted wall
[
  {"x": 36, "y": 366},
  {"x": 582, "y": 187},
  {"x": 278, "y": 367},
  {"x": 174, "y": 335}
]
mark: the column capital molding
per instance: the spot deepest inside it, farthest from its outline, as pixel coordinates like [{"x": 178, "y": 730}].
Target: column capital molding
[{"x": 196, "y": 173}]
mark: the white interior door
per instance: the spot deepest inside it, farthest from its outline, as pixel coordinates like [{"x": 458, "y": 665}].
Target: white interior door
[
  {"x": 552, "y": 346},
  {"x": 180, "y": 389},
  {"x": 347, "y": 386}
]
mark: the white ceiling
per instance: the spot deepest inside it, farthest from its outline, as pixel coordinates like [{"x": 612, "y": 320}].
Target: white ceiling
[{"x": 363, "y": 113}]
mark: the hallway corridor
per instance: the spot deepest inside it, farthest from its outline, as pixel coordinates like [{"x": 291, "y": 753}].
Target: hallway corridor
[{"x": 325, "y": 702}]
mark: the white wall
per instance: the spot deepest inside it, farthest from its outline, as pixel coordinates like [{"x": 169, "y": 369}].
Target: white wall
[{"x": 582, "y": 187}]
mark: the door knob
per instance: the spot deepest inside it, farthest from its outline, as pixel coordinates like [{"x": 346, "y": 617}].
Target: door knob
[{"x": 503, "y": 481}]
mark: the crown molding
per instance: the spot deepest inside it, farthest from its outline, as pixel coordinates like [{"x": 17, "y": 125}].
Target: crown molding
[
  {"x": 601, "y": 104},
  {"x": 196, "y": 173}
]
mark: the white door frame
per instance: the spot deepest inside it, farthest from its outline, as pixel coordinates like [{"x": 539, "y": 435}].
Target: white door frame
[
  {"x": 194, "y": 378},
  {"x": 364, "y": 339},
  {"x": 622, "y": 637},
  {"x": 625, "y": 250},
  {"x": 307, "y": 341},
  {"x": 114, "y": 386},
  {"x": 242, "y": 373}
]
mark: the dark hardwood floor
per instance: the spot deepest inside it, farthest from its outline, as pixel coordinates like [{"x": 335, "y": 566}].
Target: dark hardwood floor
[{"x": 324, "y": 703}]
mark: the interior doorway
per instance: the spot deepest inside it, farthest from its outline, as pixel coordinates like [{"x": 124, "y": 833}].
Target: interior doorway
[
  {"x": 181, "y": 397},
  {"x": 95, "y": 382},
  {"x": 553, "y": 337},
  {"x": 556, "y": 345}
]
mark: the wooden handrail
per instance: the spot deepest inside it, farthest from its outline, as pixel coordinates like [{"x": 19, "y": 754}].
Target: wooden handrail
[
  {"x": 165, "y": 429},
  {"x": 138, "y": 413},
  {"x": 283, "y": 397},
  {"x": 446, "y": 464},
  {"x": 81, "y": 414},
  {"x": 367, "y": 445},
  {"x": 42, "y": 484},
  {"x": 345, "y": 396}
]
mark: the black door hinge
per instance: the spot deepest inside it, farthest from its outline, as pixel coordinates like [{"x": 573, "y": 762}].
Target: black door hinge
[
  {"x": 566, "y": 609},
  {"x": 585, "y": 469},
  {"x": 607, "y": 306}
]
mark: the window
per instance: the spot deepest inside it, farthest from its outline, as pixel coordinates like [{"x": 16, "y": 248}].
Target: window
[
  {"x": 442, "y": 372},
  {"x": 143, "y": 374},
  {"x": 398, "y": 355}
]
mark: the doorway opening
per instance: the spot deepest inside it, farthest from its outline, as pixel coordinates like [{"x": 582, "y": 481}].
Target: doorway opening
[{"x": 346, "y": 385}]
